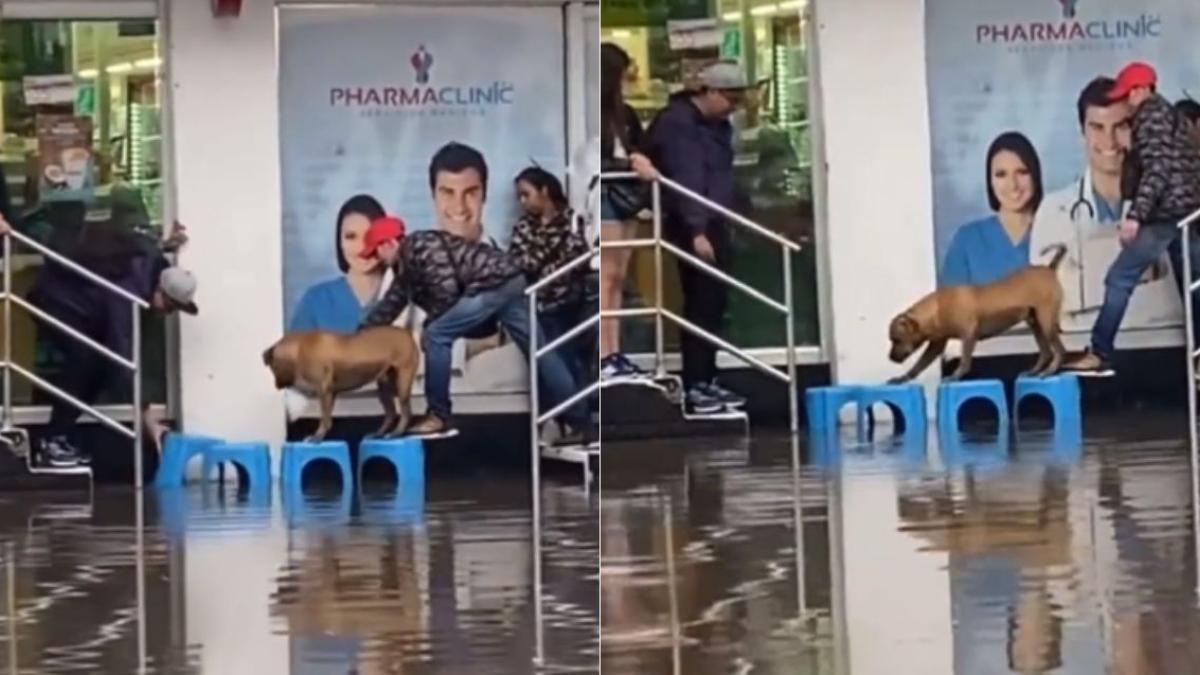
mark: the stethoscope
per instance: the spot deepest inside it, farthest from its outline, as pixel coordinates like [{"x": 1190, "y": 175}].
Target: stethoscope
[{"x": 1082, "y": 202}]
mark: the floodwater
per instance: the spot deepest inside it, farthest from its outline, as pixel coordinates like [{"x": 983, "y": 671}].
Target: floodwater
[
  {"x": 1033, "y": 554},
  {"x": 266, "y": 584}
]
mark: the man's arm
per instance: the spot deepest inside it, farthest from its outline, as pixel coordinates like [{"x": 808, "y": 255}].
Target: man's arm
[
  {"x": 1151, "y": 137},
  {"x": 680, "y": 154},
  {"x": 394, "y": 302}
]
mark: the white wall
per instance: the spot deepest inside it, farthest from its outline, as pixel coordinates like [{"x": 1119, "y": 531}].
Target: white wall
[
  {"x": 879, "y": 184},
  {"x": 226, "y": 160}
]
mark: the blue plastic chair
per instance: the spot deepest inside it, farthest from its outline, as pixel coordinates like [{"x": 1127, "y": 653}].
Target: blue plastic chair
[
  {"x": 178, "y": 450},
  {"x": 254, "y": 458},
  {"x": 1061, "y": 391},
  {"x": 297, "y": 456},
  {"x": 952, "y": 396}
]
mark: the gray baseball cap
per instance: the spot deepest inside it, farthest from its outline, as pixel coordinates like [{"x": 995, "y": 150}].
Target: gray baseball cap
[
  {"x": 179, "y": 285},
  {"x": 724, "y": 75}
]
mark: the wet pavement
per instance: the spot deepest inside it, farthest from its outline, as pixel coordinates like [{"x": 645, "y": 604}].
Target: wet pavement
[
  {"x": 1034, "y": 554},
  {"x": 265, "y": 584}
]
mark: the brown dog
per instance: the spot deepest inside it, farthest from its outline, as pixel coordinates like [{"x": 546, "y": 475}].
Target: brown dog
[
  {"x": 325, "y": 364},
  {"x": 972, "y": 313}
]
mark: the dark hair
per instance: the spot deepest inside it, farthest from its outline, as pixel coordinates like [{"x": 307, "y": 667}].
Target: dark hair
[
  {"x": 363, "y": 205},
  {"x": 614, "y": 62},
  {"x": 542, "y": 179},
  {"x": 1189, "y": 108},
  {"x": 1094, "y": 95},
  {"x": 455, "y": 157},
  {"x": 1016, "y": 143}
]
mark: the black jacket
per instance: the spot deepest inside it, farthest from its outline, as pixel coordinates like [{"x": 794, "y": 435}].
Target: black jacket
[
  {"x": 122, "y": 257},
  {"x": 697, "y": 153},
  {"x": 435, "y": 269},
  {"x": 1164, "y": 164}
]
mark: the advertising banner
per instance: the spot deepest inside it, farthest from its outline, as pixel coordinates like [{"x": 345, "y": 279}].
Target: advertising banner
[
  {"x": 1027, "y": 148},
  {"x": 368, "y": 97}
]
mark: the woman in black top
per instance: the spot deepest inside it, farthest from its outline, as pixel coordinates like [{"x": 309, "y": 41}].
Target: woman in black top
[{"x": 620, "y": 136}]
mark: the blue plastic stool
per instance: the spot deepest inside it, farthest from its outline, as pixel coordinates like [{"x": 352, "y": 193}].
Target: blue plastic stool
[
  {"x": 1061, "y": 391},
  {"x": 255, "y": 458},
  {"x": 952, "y": 396},
  {"x": 957, "y": 451},
  {"x": 178, "y": 450},
  {"x": 296, "y": 456},
  {"x": 907, "y": 399},
  {"x": 823, "y": 404},
  {"x": 407, "y": 455}
]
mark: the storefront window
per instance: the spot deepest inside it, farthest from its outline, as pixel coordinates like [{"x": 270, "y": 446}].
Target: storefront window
[
  {"x": 80, "y": 115},
  {"x": 774, "y": 161}
]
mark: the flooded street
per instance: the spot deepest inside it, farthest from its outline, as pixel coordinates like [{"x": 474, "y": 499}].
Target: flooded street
[
  {"x": 264, "y": 584},
  {"x": 1050, "y": 557}
]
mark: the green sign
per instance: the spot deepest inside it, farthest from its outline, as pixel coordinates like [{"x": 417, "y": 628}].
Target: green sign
[
  {"x": 731, "y": 43},
  {"x": 618, "y": 13}
]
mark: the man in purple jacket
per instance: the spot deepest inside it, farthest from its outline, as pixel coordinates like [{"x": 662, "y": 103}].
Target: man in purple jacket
[
  {"x": 691, "y": 142},
  {"x": 133, "y": 263}
]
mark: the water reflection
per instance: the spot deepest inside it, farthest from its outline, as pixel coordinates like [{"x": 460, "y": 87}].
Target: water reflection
[
  {"x": 1038, "y": 553},
  {"x": 263, "y": 583}
]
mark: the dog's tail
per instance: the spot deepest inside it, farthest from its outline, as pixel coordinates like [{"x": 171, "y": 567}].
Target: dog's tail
[{"x": 1060, "y": 252}]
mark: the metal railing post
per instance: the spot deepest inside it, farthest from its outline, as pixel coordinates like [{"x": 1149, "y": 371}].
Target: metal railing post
[
  {"x": 535, "y": 458},
  {"x": 660, "y": 366},
  {"x": 137, "y": 397},
  {"x": 8, "y": 290},
  {"x": 1189, "y": 311},
  {"x": 793, "y": 394}
]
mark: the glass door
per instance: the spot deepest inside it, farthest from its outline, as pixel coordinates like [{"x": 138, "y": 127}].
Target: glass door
[{"x": 80, "y": 144}]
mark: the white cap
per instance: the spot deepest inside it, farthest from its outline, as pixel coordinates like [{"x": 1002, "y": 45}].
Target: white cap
[
  {"x": 723, "y": 75},
  {"x": 179, "y": 286}
]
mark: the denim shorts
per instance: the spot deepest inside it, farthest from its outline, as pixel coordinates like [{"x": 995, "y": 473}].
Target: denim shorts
[{"x": 607, "y": 211}]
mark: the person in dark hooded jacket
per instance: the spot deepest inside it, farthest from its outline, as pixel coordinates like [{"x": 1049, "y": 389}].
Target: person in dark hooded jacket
[{"x": 129, "y": 261}]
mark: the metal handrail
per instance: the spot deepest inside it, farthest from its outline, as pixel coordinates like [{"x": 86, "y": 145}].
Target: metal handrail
[
  {"x": 133, "y": 365},
  {"x": 1190, "y": 286},
  {"x": 657, "y": 242},
  {"x": 537, "y": 418}
]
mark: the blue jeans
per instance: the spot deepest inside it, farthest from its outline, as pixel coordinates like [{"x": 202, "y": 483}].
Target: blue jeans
[
  {"x": 1127, "y": 269},
  {"x": 510, "y": 307}
]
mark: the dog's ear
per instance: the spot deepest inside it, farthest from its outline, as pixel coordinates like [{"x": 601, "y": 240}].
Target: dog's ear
[
  {"x": 903, "y": 326},
  {"x": 268, "y": 356}
]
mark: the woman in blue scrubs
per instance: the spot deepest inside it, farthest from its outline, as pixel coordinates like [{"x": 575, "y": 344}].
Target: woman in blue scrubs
[
  {"x": 339, "y": 304},
  {"x": 991, "y": 248}
]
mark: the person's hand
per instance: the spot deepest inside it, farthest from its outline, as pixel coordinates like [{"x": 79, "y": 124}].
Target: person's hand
[
  {"x": 176, "y": 237},
  {"x": 5, "y": 227},
  {"x": 155, "y": 426},
  {"x": 643, "y": 167},
  {"x": 703, "y": 248},
  {"x": 1128, "y": 231}
]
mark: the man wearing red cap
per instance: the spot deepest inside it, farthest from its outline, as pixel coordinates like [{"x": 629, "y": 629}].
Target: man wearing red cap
[
  {"x": 1161, "y": 178},
  {"x": 460, "y": 284}
]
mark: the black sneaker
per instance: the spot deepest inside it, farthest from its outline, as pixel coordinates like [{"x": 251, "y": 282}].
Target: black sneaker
[
  {"x": 1090, "y": 364},
  {"x": 727, "y": 398},
  {"x": 698, "y": 401},
  {"x": 617, "y": 365},
  {"x": 59, "y": 453}
]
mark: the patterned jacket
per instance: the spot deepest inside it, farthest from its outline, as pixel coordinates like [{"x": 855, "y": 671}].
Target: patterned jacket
[
  {"x": 1167, "y": 164},
  {"x": 435, "y": 269},
  {"x": 540, "y": 249}
]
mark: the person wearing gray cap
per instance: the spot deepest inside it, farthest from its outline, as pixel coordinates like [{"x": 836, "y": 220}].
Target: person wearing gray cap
[
  {"x": 113, "y": 251},
  {"x": 691, "y": 142}
]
